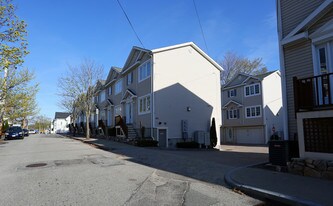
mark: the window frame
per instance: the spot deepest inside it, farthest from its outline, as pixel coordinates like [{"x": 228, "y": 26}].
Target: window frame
[
  {"x": 253, "y": 111},
  {"x": 116, "y": 86},
  {"x": 129, "y": 78},
  {"x": 144, "y": 106},
  {"x": 252, "y": 87},
  {"x": 144, "y": 66}
]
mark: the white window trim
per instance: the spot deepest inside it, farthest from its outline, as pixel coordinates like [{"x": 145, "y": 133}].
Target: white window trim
[
  {"x": 232, "y": 91},
  {"x": 252, "y": 85},
  {"x": 115, "y": 86},
  {"x": 251, "y": 117},
  {"x": 143, "y": 97},
  {"x": 147, "y": 77},
  {"x": 233, "y": 111}
]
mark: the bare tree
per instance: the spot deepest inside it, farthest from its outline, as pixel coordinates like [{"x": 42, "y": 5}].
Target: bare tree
[
  {"x": 76, "y": 89},
  {"x": 234, "y": 64}
]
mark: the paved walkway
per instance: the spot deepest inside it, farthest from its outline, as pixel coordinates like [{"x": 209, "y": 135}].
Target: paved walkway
[{"x": 231, "y": 163}]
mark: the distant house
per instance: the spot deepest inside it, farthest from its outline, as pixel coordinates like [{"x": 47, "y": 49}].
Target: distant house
[
  {"x": 305, "y": 31},
  {"x": 251, "y": 108},
  {"x": 61, "y": 122},
  {"x": 168, "y": 94}
]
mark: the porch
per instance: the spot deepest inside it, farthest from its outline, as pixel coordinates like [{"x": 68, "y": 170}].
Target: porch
[{"x": 313, "y": 99}]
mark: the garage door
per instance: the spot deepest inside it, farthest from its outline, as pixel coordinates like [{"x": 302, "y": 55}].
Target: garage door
[{"x": 253, "y": 135}]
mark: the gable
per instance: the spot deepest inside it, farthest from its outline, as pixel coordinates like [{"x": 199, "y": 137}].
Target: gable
[
  {"x": 113, "y": 74},
  {"x": 251, "y": 80},
  {"x": 135, "y": 58},
  {"x": 324, "y": 32},
  {"x": 236, "y": 80}
]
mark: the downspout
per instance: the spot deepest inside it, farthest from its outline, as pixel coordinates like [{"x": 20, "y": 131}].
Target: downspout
[
  {"x": 283, "y": 74},
  {"x": 263, "y": 110},
  {"x": 152, "y": 99}
]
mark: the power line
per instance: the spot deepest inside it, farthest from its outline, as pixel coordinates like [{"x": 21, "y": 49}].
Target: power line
[
  {"x": 202, "y": 33},
  {"x": 129, "y": 21}
]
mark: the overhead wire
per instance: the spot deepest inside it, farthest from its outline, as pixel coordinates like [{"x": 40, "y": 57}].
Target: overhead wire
[
  {"x": 130, "y": 23},
  {"x": 202, "y": 32}
]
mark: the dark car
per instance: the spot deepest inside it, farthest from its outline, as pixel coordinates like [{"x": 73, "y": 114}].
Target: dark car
[
  {"x": 26, "y": 132},
  {"x": 14, "y": 132}
]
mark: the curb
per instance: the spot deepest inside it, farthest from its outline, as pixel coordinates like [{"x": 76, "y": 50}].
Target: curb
[{"x": 265, "y": 194}]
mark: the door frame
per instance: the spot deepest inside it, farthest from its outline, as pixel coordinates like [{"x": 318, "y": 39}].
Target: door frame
[
  {"x": 166, "y": 135},
  {"x": 130, "y": 103}
]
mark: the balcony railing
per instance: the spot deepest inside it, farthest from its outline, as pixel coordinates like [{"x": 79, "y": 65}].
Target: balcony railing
[{"x": 313, "y": 93}]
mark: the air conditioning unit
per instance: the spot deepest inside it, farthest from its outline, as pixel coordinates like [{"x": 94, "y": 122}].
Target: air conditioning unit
[{"x": 199, "y": 137}]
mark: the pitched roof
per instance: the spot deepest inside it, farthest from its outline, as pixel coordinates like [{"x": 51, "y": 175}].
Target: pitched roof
[
  {"x": 262, "y": 76},
  {"x": 195, "y": 47},
  {"x": 61, "y": 115}
]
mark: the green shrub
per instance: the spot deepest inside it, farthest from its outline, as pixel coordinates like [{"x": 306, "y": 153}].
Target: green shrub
[
  {"x": 146, "y": 143},
  {"x": 188, "y": 144}
]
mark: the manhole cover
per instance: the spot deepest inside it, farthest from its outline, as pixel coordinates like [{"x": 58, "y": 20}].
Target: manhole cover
[{"x": 37, "y": 165}]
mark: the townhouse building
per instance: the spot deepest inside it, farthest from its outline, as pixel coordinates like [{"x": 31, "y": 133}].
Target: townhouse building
[
  {"x": 252, "y": 108},
  {"x": 167, "y": 94}
]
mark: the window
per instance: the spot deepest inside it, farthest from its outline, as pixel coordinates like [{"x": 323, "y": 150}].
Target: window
[
  {"x": 144, "y": 104},
  {"x": 252, "y": 90},
  {"x": 102, "y": 96},
  {"x": 144, "y": 70},
  {"x": 110, "y": 90},
  {"x": 118, "y": 86},
  {"x": 253, "y": 112},
  {"x": 129, "y": 78},
  {"x": 232, "y": 93},
  {"x": 232, "y": 114},
  {"x": 117, "y": 110}
]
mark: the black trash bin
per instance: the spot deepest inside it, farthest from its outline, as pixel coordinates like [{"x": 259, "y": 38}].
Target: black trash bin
[{"x": 278, "y": 152}]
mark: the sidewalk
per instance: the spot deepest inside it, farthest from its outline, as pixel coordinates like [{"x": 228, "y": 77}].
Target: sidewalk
[
  {"x": 281, "y": 187},
  {"x": 261, "y": 183}
]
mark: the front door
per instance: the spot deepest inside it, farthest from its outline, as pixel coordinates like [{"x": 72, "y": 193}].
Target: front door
[
  {"x": 324, "y": 65},
  {"x": 129, "y": 113},
  {"x": 162, "y": 138}
]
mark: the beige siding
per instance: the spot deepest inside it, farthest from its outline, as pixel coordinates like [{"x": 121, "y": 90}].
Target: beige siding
[
  {"x": 298, "y": 62},
  {"x": 293, "y": 12}
]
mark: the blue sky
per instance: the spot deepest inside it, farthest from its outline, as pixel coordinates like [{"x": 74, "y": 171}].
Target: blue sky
[{"x": 65, "y": 32}]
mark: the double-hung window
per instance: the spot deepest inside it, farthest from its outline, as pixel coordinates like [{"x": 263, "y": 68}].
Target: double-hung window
[
  {"x": 129, "y": 78},
  {"x": 118, "y": 86},
  {"x": 101, "y": 96},
  {"x": 232, "y": 114},
  {"x": 252, "y": 90},
  {"x": 144, "y": 104},
  {"x": 110, "y": 90},
  {"x": 144, "y": 70},
  {"x": 253, "y": 112},
  {"x": 232, "y": 93}
]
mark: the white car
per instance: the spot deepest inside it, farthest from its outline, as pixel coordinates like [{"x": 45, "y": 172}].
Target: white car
[{"x": 32, "y": 131}]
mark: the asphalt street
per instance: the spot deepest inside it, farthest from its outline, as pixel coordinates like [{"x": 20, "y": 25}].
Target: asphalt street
[{"x": 53, "y": 170}]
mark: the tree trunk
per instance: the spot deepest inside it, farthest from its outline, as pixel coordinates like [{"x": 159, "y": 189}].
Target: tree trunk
[{"x": 87, "y": 126}]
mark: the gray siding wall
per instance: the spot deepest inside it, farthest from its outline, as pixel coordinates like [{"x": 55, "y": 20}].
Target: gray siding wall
[
  {"x": 298, "y": 62},
  {"x": 246, "y": 102},
  {"x": 294, "y": 12}
]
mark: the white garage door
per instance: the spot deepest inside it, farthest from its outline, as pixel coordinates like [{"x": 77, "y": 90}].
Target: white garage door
[{"x": 253, "y": 135}]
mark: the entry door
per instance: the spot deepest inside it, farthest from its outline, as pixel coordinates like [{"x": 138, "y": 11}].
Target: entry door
[
  {"x": 230, "y": 136},
  {"x": 324, "y": 65},
  {"x": 162, "y": 138},
  {"x": 129, "y": 113}
]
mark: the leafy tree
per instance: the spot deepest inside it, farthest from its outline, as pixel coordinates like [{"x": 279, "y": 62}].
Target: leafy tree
[
  {"x": 213, "y": 135},
  {"x": 13, "y": 49},
  {"x": 41, "y": 123},
  {"x": 234, "y": 64},
  {"x": 77, "y": 88}
]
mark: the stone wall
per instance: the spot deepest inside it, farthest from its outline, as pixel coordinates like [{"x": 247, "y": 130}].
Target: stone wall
[{"x": 312, "y": 168}]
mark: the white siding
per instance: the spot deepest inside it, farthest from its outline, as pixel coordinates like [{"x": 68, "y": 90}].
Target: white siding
[
  {"x": 272, "y": 103},
  {"x": 183, "y": 78}
]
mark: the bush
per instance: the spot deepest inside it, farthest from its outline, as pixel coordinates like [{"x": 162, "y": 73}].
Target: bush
[
  {"x": 275, "y": 137},
  {"x": 188, "y": 144},
  {"x": 213, "y": 135},
  {"x": 146, "y": 143}
]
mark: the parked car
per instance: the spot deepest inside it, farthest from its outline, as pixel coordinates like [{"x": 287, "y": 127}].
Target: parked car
[
  {"x": 14, "y": 132},
  {"x": 26, "y": 132},
  {"x": 32, "y": 131}
]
